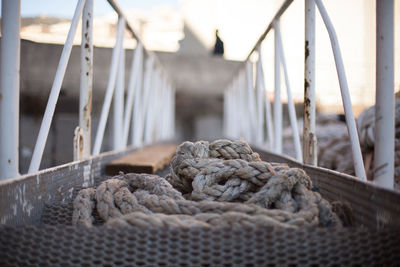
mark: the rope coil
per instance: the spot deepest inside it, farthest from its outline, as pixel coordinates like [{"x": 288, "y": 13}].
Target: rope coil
[{"x": 222, "y": 183}]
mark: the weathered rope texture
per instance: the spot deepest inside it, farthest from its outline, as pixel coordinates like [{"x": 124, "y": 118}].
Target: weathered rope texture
[
  {"x": 223, "y": 183},
  {"x": 335, "y": 152}
]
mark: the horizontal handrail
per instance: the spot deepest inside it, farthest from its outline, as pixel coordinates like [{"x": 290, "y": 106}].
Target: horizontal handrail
[
  {"x": 135, "y": 35},
  {"x": 270, "y": 26}
]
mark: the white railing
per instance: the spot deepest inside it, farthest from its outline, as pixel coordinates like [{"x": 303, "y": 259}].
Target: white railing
[
  {"x": 240, "y": 98},
  {"x": 148, "y": 112}
]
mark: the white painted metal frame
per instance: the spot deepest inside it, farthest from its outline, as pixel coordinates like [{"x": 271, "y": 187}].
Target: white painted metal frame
[
  {"x": 309, "y": 134},
  {"x": 160, "y": 127},
  {"x": 384, "y": 109},
  {"x": 9, "y": 88},
  {"x": 118, "y": 104},
  {"x": 110, "y": 87},
  {"x": 82, "y": 143},
  {"x": 55, "y": 91},
  {"x": 133, "y": 90},
  {"x": 268, "y": 113},
  {"x": 260, "y": 91},
  {"x": 344, "y": 89},
  {"x": 291, "y": 108},
  {"x": 235, "y": 97},
  {"x": 137, "y": 123},
  {"x": 277, "y": 94},
  {"x": 251, "y": 102}
]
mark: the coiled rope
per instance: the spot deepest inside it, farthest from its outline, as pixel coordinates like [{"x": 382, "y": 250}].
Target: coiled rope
[{"x": 222, "y": 183}]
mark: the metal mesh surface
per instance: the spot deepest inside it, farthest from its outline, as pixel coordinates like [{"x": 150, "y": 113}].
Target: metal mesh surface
[
  {"x": 56, "y": 242},
  {"x": 66, "y": 245}
]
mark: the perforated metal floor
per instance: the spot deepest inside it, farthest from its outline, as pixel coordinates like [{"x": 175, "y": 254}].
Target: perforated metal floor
[
  {"x": 72, "y": 246},
  {"x": 55, "y": 242}
]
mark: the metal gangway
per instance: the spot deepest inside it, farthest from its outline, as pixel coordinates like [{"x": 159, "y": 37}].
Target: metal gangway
[{"x": 147, "y": 116}]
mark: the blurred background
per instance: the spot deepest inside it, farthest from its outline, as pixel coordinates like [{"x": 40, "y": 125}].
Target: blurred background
[{"x": 182, "y": 33}]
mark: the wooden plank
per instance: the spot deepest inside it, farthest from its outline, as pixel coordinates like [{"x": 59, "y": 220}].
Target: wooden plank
[{"x": 147, "y": 160}]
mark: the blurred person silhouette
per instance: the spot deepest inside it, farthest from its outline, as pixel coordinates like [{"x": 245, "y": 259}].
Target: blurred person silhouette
[{"x": 219, "y": 45}]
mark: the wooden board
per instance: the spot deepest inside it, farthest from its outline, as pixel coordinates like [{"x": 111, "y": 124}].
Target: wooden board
[{"x": 147, "y": 160}]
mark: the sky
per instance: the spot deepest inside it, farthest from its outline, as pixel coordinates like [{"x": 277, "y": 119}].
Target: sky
[{"x": 65, "y": 8}]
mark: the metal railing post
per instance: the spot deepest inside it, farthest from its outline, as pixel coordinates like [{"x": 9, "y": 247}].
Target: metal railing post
[
  {"x": 291, "y": 108},
  {"x": 309, "y": 135},
  {"x": 268, "y": 113},
  {"x": 277, "y": 95},
  {"x": 260, "y": 101},
  {"x": 245, "y": 130},
  {"x": 172, "y": 112},
  {"x": 133, "y": 90},
  {"x": 86, "y": 85},
  {"x": 55, "y": 91},
  {"x": 137, "y": 118},
  {"x": 384, "y": 108},
  {"x": 344, "y": 90},
  {"x": 251, "y": 102},
  {"x": 118, "y": 106},
  {"x": 110, "y": 87},
  {"x": 151, "y": 108},
  {"x": 139, "y": 124},
  {"x": 9, "y": 89}
]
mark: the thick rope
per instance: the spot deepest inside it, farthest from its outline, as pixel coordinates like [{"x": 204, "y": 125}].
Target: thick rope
[
  {"x": 336, "y": 153},
  {"x": 213, "y": 177}
]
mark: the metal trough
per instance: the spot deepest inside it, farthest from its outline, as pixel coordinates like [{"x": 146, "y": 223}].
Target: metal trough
[{"x": 36, "y": 210}]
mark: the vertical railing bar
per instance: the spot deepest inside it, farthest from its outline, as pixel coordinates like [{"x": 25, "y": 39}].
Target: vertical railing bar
[
  {"x": 268, "y": 113},
  {"x": 277, "y": 96},
  {"x": 163, "y": 109},
  {"x": 251, "y": 102},
  {"x": 241, "y": 107},
  {"x": 118, "y": 106},
  {"x": 137, "y": 107},
  {"x": 225, "y": 113},
  {"x": 173, "y": 111},
  {"x": 139, "y": 128},
  {"x": 156, "y": 109},
  {"x": 291, "y": 108},
  {"x": 350, "y": 121},
  {"x": 231, "y": 112},
  {"x": 260, "y": 103},
  {"x": 9, "y": 90},
  {"x": 151, "y": 105},
  {"x": 110, "y": 87},
  {"x": 86, "y": 84},
  {"x": 132, "y": 91},
  {"x": 166, "y": 110},
  {"x": 309, "y": 135},
  {"x": 247, "y": 110},
  {"x": 55, "y": 91},
  {"x": 384, "y": 107},
  {"x": 244, "y": 127}
]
